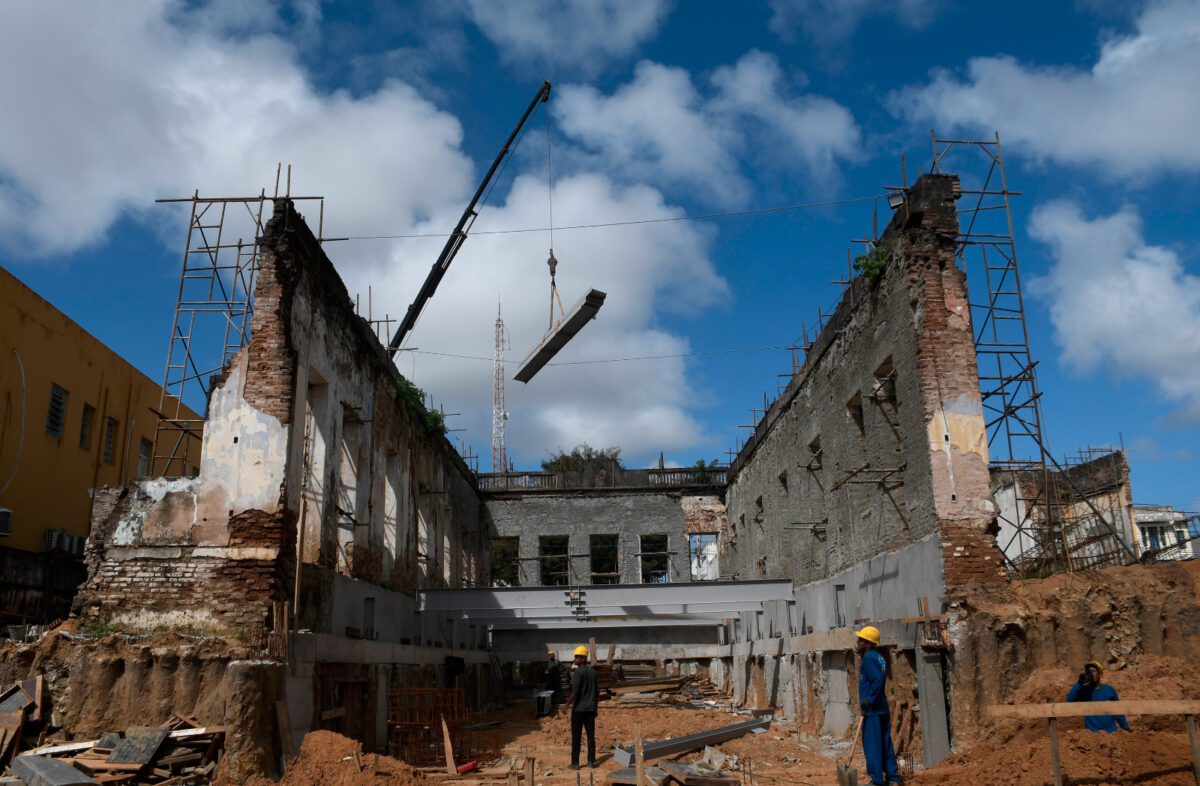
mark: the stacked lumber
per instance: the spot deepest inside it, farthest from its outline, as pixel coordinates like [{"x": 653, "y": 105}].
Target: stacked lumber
[
  {"x": 180, "y": 751},
  {"x": 635, "y": 671}
]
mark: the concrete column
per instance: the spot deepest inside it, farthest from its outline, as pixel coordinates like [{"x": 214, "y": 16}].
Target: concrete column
[{"x": 935, "y": 726}]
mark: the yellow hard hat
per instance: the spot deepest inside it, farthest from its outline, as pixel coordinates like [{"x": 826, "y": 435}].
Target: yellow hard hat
[
  {"x": 869, "y": 633},
  {"x": 1094, "y": 663},
  {"x": 581, "y": 651}
]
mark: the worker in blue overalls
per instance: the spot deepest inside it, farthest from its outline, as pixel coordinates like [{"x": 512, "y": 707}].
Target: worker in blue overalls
[
  {"x": 1090, "y": 688},
  {"x": 876, "y": 719}
]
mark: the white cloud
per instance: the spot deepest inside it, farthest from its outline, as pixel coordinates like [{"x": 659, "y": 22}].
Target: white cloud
[
  {"x": 1119, "y": 304},
  {"x": 829, "y": 22},
  {"x": 583, "y": 35},
  {"x": 659, "y": 125},
  {"x": 656, "y": 125},
  {"x": 641, "y": 406},
  {"x": 118, "y": 104},
  {"x": 1134, "y": 111}
]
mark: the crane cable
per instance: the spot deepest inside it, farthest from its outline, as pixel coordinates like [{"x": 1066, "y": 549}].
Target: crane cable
[{"x": 551, "y": 262}]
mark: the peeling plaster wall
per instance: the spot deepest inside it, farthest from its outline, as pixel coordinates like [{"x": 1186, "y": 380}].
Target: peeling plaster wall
[{"x": 311, "y": 435}]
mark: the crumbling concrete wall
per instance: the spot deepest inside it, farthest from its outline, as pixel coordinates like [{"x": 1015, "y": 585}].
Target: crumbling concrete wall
[
  {"x": 581, "y": 513},
  {"x": 312, "y": 438}
]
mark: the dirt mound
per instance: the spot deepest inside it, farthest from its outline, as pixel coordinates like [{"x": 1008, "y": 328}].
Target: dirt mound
[
  {"x": 1017, "y": 752},
  {"x": 328, "y": 759},
  {"x": 1156, "y": 758}
]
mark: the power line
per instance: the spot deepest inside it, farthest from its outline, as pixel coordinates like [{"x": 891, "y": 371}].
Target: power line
[
  {"x": 608, "y": 224},
  {"x": 614, "y": 360}
]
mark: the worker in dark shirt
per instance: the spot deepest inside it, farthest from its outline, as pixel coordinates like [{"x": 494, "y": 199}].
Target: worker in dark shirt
[
  {"x": 1090, "y": 687},
  {"x": 553, "y": 678},
  {"x": 585, "y": 694}
]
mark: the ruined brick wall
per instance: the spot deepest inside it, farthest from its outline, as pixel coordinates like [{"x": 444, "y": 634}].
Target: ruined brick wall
[
  {"x": 879, "y": 442},
  {"x": 313, "y": 444},
  {"x": 142, "y": 579}
]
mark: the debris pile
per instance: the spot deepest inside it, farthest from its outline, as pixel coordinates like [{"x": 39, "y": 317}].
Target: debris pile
[
  {"x": 329, "y": 759},
  {"x": 23, "y": 712},
  {"x": 177, "y": 752}
]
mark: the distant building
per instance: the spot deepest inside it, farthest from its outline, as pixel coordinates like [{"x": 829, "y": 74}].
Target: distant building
[
  {"x": 1170, "y": 533},
  {"x": 73, "y": 416}
]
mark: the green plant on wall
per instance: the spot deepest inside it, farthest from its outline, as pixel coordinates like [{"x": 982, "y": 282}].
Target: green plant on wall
[
  {"x": 414, "y": 397},
  {"x": 872, "y": 264}
]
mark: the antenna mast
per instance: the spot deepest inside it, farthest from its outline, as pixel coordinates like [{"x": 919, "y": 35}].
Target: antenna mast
[{"x": 499, "y": 459}]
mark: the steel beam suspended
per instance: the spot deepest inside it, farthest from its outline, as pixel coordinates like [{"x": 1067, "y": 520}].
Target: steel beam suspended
[{"x": 581, "y": 313}]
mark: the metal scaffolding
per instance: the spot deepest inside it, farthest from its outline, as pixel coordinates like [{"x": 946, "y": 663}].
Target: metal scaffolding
[
  {"x": 212, "y": 316},
  {"x": 1052, "y": 524}
]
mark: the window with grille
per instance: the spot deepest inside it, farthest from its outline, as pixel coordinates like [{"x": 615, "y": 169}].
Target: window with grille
[
  {"x": 505, "y": 565},
  {"x": 145, "y": 452},
  {"x": 555, "y": 560},
  {"x": 605, "y": 563},
  {"x": 85, "y": 427},
  {"x": 110, "y": 440},
  {"x": 656, "y": 559},
  {"x": 57, "y": 415}
]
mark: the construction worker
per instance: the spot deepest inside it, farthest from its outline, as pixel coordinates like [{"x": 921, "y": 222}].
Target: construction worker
[
  {"x": 1090, "y": 687},
  {"x": 876, "y": 718},
  {"x": 585, "y": 693},
  {"x": 553, "y": 677}
]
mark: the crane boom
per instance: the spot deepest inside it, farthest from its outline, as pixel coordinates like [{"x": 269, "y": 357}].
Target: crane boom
[{"x": 455, "y": 241}]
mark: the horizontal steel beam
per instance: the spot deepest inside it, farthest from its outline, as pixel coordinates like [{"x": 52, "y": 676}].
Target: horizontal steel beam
[
  {"x": 631, "y": 598},
  {"x": 690, "y": 742},
  {"x": 557, "y": 623}
]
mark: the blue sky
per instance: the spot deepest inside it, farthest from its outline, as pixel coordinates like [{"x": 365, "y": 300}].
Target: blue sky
[{"x": 659, "y": 109}]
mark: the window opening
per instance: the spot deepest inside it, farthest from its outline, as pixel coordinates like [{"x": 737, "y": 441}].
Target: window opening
[
  {"x": 85, "y": 426},
  {"x": 655, "y": 559},
  {"x": 839, "y": 605},
  {"x": 505, "y": 565},
  {"x": 606, "y": 568},
  {"x": 555, "y": 560},
  {"x": 110, "y": 440},
  {"x": 57, "y": 414},
  {"x": 145, "y": 451},
  {"x": 702, "y": 553}
]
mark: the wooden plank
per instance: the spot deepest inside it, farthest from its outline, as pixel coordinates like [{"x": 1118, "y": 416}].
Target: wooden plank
[
  {"x": 14, "y": 699},
  {"x": 1078, "y": 709},
  {"x": 1055, "y": 762},
  {"x": 654, "y": 775},
  {"x": 530, "y": 770},
  {"x": 451, "y": 769},
  {"x": 39, "y": 771},
  {"x": 138, "y": 746},
  {"x": 690, "y": 742},
  {"x": 336, "y": 712},
  {"x": 1191, "y": 727},
  {"x": 285, "y": 731},
  {"x": 688, "y": 775},
  {"x": 639, "y": 755}
]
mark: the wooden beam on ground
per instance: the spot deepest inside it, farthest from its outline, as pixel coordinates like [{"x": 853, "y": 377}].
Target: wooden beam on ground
[
  {"x": 1078, "y": 709},
  {"x": 1055, "y": 761},
  {"x": 451, "y": 767},
  {"x": 639, "y": 755},
  {"x": 285, "y": 731}
]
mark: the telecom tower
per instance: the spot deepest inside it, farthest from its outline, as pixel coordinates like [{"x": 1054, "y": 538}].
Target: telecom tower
[{"x": 499, "y": 459}]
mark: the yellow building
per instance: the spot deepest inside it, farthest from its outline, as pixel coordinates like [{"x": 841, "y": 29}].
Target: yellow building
[{"x": 74, "y": 416}]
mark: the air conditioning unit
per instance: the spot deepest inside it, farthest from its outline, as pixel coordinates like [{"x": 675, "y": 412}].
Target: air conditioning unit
[
  {"x": 6, "y": 517},
  {"x": 52, "y": 540}
]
